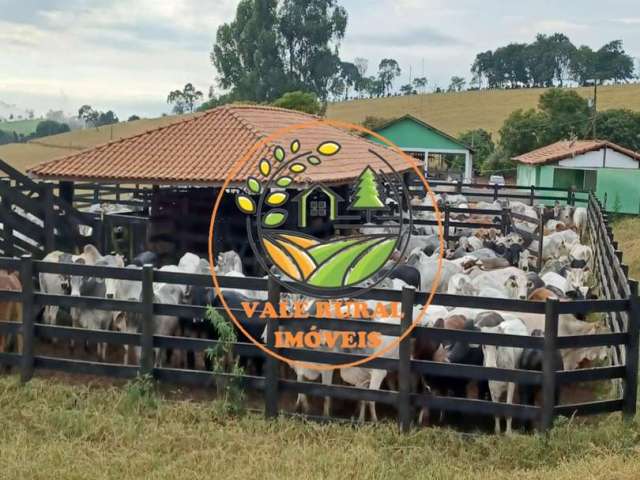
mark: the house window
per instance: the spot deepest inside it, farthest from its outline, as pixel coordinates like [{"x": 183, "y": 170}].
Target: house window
[
  {"x": 566, "y": 178},
  {"x": 318, "y": 208}
]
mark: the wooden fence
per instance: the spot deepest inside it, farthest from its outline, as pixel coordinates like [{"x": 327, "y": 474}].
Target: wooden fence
[{"x": 272, "y": 386}]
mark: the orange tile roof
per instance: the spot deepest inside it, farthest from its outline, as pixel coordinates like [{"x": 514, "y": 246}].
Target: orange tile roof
[
  {"x": 568, "y": 149},
  {"x": 202, "y": 149}
]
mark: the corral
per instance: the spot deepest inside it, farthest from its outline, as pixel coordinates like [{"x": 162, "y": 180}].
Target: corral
[{"x": 618, "y": 301}]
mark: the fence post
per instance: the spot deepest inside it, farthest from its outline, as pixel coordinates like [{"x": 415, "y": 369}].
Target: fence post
[
  {"x": 540, "y": 240},
  {"x": 506, "y": 224},
  {"x": 447, "y": 215},
  {"x": 271, "y": 364},
  {"x": 630, "y": 396},
  {"x": 548, "y": 364},
  {"x": 146, "y": 340},
  {"x": 532, "y": 195},
  {"x": 495, "y": 192},
  {"x": 404, "y": 360},
  {"x": 28, "y": 318},
  {"x": 49, "y": 218}
]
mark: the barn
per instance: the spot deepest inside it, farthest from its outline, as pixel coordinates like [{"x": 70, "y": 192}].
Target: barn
[
  {"x": 184, "y": 165},
  {"x": 435, "y": 149},
  {"x": 609, "y": 170}
]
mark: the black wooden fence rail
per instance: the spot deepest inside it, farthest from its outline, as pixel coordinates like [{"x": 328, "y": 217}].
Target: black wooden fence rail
[
  {"x": 613, "y": 279},
  {"x": 273, "y": 386}
]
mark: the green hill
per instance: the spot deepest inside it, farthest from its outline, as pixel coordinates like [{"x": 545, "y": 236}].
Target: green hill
[
  {"x": 457, "y": 112},
  {"x": 24, "y": 127}
]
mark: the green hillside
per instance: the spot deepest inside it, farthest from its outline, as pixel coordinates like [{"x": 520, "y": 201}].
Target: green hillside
[{"x": 24, "y": 127}]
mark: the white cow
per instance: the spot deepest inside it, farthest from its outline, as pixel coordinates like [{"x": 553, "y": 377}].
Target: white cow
[
  {"x": 428, "y": 268},
  {"x": 511, "y": 281},
  {"x": 503, "y": 357},
  {"x": 580, "y": 219}
]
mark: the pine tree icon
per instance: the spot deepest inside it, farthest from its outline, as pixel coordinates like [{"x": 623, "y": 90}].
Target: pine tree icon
[{"x": 367, "y": 195}]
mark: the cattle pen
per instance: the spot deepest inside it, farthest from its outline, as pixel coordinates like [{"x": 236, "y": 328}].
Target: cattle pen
[{"x": 620, "y": 305}]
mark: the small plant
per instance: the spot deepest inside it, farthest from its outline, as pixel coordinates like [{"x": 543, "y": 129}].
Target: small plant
[
  {"x": 231, "y": 396},
  {"x": 141, "y": 393}
]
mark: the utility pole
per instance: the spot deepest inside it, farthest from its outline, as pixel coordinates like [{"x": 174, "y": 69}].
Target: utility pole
[{"x": 594, "y": 106}]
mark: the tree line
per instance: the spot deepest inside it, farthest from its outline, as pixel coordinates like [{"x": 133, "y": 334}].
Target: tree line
[
  {"x": 560, "y": 115},
  {"x": 551, "y": 60}
]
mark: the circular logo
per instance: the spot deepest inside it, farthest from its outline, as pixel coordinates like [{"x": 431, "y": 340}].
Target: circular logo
[{"x": 319, "y": 240}]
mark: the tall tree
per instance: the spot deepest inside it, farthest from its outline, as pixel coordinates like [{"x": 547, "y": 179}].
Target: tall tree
[
  {"x": 456, "y": 84},
  {"x": 184, "y": 100},
  {"x": 246, "y": 53},
  {"x": 480, "y": 141},
  {"x": 362, "y": 64},
  {"x": 388, "y": 70},
  {"x": 350, "y": 75},
  {"x": 311, "y": 33},
  {"x": 420, "y": 83}
]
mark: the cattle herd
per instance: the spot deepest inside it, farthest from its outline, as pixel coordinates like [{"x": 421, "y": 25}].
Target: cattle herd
[{"x": 480, "y": 262}]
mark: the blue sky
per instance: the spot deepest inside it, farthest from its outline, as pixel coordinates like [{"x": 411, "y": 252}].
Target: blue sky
[{"x": 128, "y": 54}]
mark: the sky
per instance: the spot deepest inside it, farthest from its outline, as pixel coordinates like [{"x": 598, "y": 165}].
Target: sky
[{"x": 126, "y": 55}]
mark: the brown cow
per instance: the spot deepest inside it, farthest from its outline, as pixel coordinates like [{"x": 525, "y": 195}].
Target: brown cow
[
  {"x": 10, "y": 311},
  {"x": 542, "y": 294}
]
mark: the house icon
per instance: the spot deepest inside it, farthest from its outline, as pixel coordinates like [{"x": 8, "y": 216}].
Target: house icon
[{"x": 317, "y": 201}]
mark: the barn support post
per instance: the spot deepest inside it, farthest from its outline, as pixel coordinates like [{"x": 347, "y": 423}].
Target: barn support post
[
  {"x": 49, "y": 218},
  {"x": 630, "y": 395},
  {"x": 548, "y": 365},
  {"x": 28, "y": 318},
  {"x": 271, "y": 364},
  {"x": 447, "y": 220},
  {"x": 532, "y": 195},
  {"x": 404, "y": 360},
  {"x": 146, "y": 339},
  {"x": 6, "y": 227},
  {"x": 540, "y": 240}
]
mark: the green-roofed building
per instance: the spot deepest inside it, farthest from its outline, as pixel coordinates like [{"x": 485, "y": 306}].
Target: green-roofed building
[{"x": 431, "y": 146}]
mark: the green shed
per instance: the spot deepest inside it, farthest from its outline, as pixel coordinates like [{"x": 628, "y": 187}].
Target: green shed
[
  {"x": 612, "y": 172},
  {"x": 426, "y": 143}
]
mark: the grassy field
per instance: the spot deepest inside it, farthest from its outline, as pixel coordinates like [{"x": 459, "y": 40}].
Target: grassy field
[
  {"x": 626, "y": 232},
  {"x": 24, "y": 127},
  {"x": 52, "y": 430},
  {"x": 458, "y": 112},
  {"x": 25, "y": 155}
]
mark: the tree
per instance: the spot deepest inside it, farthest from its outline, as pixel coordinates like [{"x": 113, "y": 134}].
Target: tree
[
  {"x": 246, "y": 53},
  {"x": 612, "y": 63},
  {"x": 350, "y": 76},
  {"x": 420, "y": 83},
  {"x": 96, "y": 118},
  {"x": 89, "y": 115},
  {"x": 133, "y": 118},
  {"x": 184, "y": 100},
  {"x": 408, "y": 89},
  {"x": 566, "y": 113},
  {"x": 480, "y": 141},
  {"x": 521, "y": 132},
  {"x": 388, "y": 70},
  {"x": 49, "y": 127},
  {"x": 302, "y": 101},
  {"x": 620, "y": 126},
  {"x": 310, "y": 35},
  {"x": 457, "y": 84},
  {"x": 362, "y": 65},
  {"x": 367, "y": 194}
]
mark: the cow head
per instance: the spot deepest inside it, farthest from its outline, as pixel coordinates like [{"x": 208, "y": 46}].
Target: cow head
[
  {"x": 516, "y": 287},
  {"x": 119, "y": 322},
  {"x": 523, "y": 261}
]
